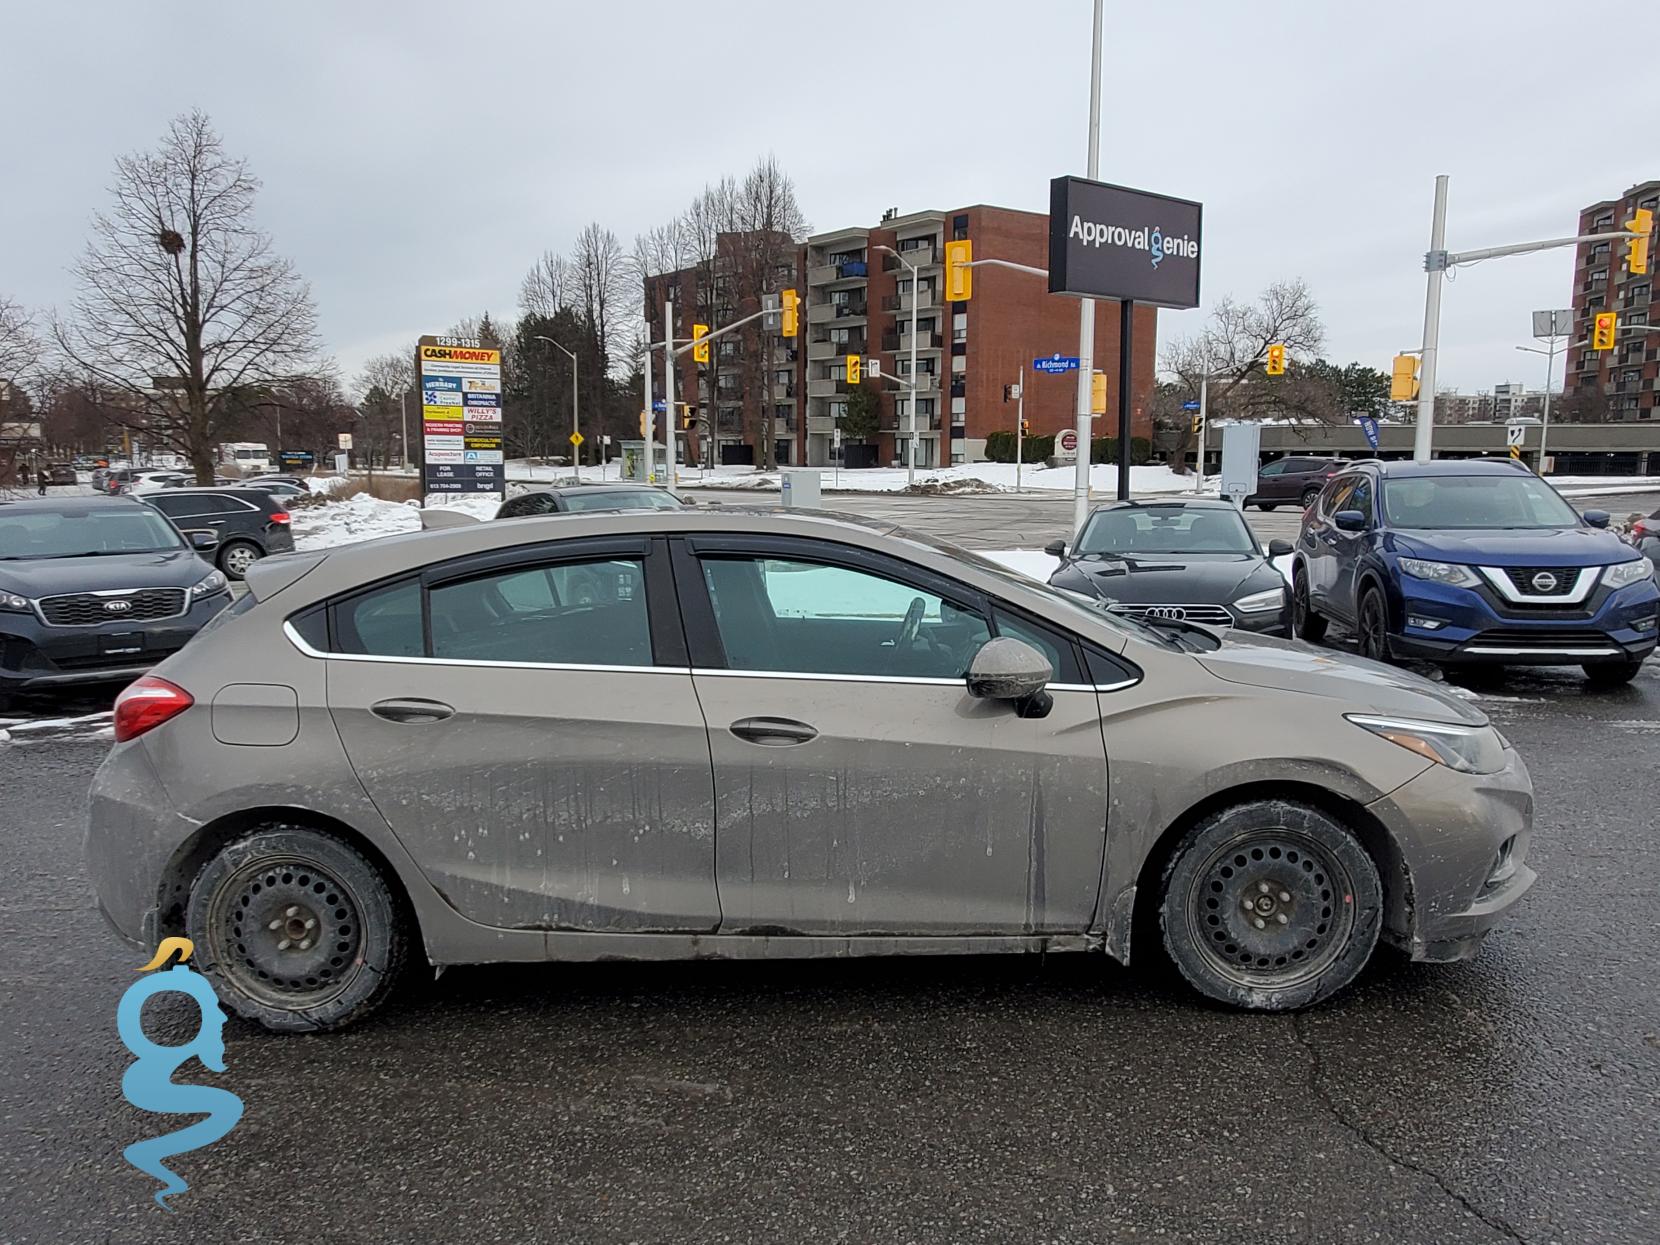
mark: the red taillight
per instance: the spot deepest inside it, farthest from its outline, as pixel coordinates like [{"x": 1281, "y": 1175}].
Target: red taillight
[
  {"x": 146, "y": 704},
  {"x": 280, "y": 517}
]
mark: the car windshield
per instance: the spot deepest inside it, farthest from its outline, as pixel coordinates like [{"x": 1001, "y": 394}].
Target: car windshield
[
  {"x": 86, "y": 533},
  {"x": 621, "y": 499},
  {"x": 1507, "y": 501},
  {"x": 1164, "y": 529}
]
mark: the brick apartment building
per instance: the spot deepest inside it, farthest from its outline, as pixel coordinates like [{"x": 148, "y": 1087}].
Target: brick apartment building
[
  {"x": 857, "y": 299},
  {"x": 1626, "y": 378}
]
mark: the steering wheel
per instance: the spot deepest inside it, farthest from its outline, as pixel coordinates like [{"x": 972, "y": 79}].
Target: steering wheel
[{"x": 908, "y": 629}]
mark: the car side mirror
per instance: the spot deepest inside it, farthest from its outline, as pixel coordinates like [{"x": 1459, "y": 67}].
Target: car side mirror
[
  {"x": 1349, "y": 521},
  {"x": 202, "y": 542},
  {"x": 1279, "y": 548},
  {"x": 1596, "y": 518},
  {"x": 1011, "y": 669},
  {"x": 1055, "y": 548}
]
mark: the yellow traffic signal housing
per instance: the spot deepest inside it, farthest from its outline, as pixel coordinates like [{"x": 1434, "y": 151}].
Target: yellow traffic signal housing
[
  {"x": 700, "y": 348},
  {"x": 855, "y": 369},
  {"x": 959, "y": 278},
  {"x": 645, "y": 419},
  {"x": 1025, "y": 427},
  {"x": 1276, "y": 360},
  {"x": 790, "y": 323},
  {"x": 1403, "y": 382},
  {"x": 1602, "y": 335},
  {"x": 1636, "y": 249},
  {"x": 1098, "y": 393}
]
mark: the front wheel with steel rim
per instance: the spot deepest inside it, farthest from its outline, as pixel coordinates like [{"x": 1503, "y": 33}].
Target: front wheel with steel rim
[
  {"x": 236, "y": 557},
  {"x": 1373, "y": 626},
  {"x": 296, "y": 930},
  {"x": 1270, "y": 905}
]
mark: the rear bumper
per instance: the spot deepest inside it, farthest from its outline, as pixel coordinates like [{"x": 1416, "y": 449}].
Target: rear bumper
[{"x": 36, "y": 658}]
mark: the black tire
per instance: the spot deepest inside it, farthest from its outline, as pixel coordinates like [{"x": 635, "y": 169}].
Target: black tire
[
  {"x": 1611, "y": 673},
  {"x": 1310, "y": 496},
  {"x": 236, "y": 556},
  {"x": 1305, "y": 623},
  {"x": 1267, "y": 507},
  {"x": 248, "y": 916},
  {"x": 1270, "y": 906},
  {"x": 1372, "y": 626}
]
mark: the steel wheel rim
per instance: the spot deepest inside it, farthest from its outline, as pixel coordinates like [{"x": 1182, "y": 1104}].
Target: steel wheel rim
[
  {"x": 287, "y": 933},
  {"x": 1234, "y": 909},
  {"x": 1299, "y": 602},
  {"x": 239, "y": 559}
]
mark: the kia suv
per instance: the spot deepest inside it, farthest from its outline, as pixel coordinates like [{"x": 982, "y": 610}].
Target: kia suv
[{"x": 1478, "y": 563}]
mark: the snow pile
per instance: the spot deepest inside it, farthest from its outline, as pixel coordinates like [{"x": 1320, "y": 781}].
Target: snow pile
[
  {"x": 969, "y": 478},
  {"x": 362, "y": 517}
]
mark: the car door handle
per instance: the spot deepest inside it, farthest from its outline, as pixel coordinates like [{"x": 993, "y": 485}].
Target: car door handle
[
  {"x": 412, "y": 710},
  {"x": 773, "y": 732}
]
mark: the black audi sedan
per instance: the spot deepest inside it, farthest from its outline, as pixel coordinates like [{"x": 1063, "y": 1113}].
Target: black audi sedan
[
  {"x": 96, "y": 590},
  {"x": 1193, "y": 560}
]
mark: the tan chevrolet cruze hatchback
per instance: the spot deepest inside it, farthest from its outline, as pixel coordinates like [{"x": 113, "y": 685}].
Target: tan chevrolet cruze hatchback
[{"x": 680, "y": 734}]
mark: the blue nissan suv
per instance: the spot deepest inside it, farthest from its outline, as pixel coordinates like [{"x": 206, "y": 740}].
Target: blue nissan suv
[{"x": 1470, "y": 562}]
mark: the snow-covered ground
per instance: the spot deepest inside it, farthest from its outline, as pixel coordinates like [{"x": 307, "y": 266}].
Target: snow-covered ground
[
  {"x": 970, "y": 478},
  {"x": 364, "y": 518}
]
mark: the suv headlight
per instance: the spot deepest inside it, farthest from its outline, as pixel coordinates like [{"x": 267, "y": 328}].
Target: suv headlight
[
  {"x": 16, "y": 604},
  {"x": 1441, "y": 572},
  {"x": 213, "y": 583},
  {"x": 1624, "y": 574},
  {"x": 1470, "y": 749},
  {"x": 1259, "y": 602}
]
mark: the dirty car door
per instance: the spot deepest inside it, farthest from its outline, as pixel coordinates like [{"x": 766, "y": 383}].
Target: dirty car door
[
  {"x": 859, "y": 789},
  {"x": 527, "y": 726}
]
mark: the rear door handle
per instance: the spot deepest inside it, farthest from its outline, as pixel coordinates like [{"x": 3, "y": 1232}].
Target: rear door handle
[
  {"x": 412, "y": 710},
  {"x": 773, "y": 732}
]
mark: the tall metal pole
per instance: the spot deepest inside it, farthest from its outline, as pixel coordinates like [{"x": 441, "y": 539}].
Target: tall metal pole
[
  {"x": 1019, "y": 425},
  {"x": 1544, "y": 423},
  {"x": 1126, "y": 335},
  {"x": 645, "y": 412},
  {"x": 403, "y": 431},
  {"x": 1086, "y": 307},
  {"x": 916, "y": 300},
  {"x": 1204, "y": 426},
  {"x": 668, "y": 390},
  {"x": 1425, "y": 430}
]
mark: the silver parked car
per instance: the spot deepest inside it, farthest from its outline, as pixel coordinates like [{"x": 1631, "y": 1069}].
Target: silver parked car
[{"x": 683, "y": 733}]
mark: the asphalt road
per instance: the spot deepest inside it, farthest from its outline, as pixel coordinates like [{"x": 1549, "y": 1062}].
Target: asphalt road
[{"x": 1513, "y": 1098}]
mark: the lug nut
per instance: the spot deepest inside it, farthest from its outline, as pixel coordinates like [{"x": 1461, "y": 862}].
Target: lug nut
[
  {"x": 293, "y": 910},
  {"x": 1243, "y": 903},
  {"x": 306, "y": 945},
  {"x": 1262, "y": 887},
  {"x": 274, "y": 925},
  {"x": 283, "y": 945},
  {"x": 1281, "y": 918},
  {"x": 1285, "y": 896},
  {"x": 1260, "y": 923}
]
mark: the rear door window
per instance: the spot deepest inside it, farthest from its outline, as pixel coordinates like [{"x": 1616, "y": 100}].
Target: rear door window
[{"x": 573, "y": 613}]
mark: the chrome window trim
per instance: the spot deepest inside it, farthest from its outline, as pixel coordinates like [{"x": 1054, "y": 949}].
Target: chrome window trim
[
  {"x": 914, "y": 681},
  {"x": 1584, "y": 579},
  {"x": 305, "y": 649}
]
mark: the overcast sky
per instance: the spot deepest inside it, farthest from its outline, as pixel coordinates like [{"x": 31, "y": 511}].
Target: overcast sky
[{"x": 417, "y": 157}]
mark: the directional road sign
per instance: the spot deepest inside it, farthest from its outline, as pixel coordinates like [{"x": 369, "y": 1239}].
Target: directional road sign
[{"x": 1056, "y": 364}]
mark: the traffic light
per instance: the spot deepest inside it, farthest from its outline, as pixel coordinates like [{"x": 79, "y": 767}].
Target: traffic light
[
  {"x": 1276, "y": 360},
  {"x": 688, "y": 417},
  {"x": 1025, "y": 427},
  {"x": 1636, "y": 249},
  {"x": 1602, "y": 335},
  {"x": 1098, "y": 394},
  {"x": 791, "y": 321},
  {"x": 645, "y": 420},
  {"x": 700, "y": 348},
  {"x": 1403, "y": 381},
  {"x": 855, "y": 369},
  {"x": 959, "y": 278}
]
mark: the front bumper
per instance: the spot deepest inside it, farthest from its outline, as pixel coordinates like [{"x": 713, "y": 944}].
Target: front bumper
[
  {"x": 35, "y": 657},
  {"x": 1463, "y": 841},
  {"x": 1613, "y": 626}
]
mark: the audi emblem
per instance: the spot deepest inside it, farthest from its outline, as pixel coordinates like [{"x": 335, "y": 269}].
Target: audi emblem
[
  {"x": 1173, "y": 612},
  {"x": 1544, "y": 581},
  {"x": 117, "y": 607}
]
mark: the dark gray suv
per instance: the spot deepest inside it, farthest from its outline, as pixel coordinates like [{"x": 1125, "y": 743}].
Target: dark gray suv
[
  {"x": 248, "y": 522},
  {"x": 1294, "y": 480}
]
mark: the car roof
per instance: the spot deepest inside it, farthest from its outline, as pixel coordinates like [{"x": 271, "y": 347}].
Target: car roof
[
  {"x": 608, "y": 486},
  {"x": 216, "y": 489},
  {"x": 1442, "y": 467},
  {"x": 1173, "y": 503},
  {"x": 60, "y": 505}
]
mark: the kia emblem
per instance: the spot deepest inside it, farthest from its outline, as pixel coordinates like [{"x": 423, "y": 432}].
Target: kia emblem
[{"x": 117, "y": 607}]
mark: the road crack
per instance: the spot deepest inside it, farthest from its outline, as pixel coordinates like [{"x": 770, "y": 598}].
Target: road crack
[{"x": 1316, "y": 1082}]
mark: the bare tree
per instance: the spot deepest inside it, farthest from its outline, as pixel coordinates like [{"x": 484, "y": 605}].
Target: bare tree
[
  {"x": 546, "y": 287},
  {"x": 177, "y": 285},
  {"x": 20, "y": 348},
  {"x": 386, "y": 393},
  {"x": 770, "y": 226}
]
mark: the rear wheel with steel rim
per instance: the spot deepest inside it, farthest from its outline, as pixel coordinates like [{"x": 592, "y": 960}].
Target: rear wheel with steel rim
[
  {"x": 236, "y": 557},
  {"x": 1270, "y": 905},
  {"x": 296, "y": 930},
  {"x": 1305, "y": 623},
  {"x": 1373, "y": 626}
]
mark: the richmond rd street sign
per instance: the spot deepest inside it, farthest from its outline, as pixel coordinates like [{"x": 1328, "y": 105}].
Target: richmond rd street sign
[{"x": 1112, "y": 242}]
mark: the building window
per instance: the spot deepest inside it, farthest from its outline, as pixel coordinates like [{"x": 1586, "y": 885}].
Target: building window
[
  {"x": 924, "y": 367},
  {"x": 782, "y": 377},
  {"x": 915, "y": 244},
  {"x": 836, "y": 410},
  {"x": 959, "y": 227},
  {"x": 1638, "y": 292},
  {"x": 1599, "y": 276},
  {"x": 846, "y": 257},
  {"x": 1602, "y": 222},
  {"x": 959, "y": 363}
]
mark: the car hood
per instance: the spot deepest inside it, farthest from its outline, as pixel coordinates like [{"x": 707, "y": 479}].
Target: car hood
[
  {"x": 1172, "y": 579},
  {"x": 1561, "y": 546},
  {"x": 45, "y": 577},
  {"x": 1262, "y": 661}
]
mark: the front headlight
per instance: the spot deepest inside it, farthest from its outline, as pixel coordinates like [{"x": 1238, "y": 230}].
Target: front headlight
[
  {"x": 16, "y": 604},
  {"x": 213, "y": 583},
  {"x": 1470, "y": 749},
  {"x": 1261, "y": 602},
  {"x": 1450, "y": 573},
  {"x": 1624, "y": 574}
]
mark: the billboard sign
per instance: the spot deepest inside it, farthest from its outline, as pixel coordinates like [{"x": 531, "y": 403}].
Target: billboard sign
[
  {"x": 461, "y": 444},
  {"x": 1112, "y": 242}
]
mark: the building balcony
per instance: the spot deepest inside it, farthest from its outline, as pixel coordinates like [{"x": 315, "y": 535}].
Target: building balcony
[
  {"x": 901, "y": 303},
  {"x": 901, "y": 341},
  {"x": 825, "y": 313},
  {"x": 821, "y": 423},
  {"x": 828, "y": 349},
  {"x": 902, "y": 423},
  {"x": 848, "y": 270},
  {"x": 917, "y": 256}
]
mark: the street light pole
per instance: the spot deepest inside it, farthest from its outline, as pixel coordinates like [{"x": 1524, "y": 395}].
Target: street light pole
[
  {"x": 916, "y": 294},
  {"x": 1086, "y": 306},
  {"x": 1423, "y": 433},
  {"x": 576, "y": 450},
  {"x": 1544, "y": 421}
]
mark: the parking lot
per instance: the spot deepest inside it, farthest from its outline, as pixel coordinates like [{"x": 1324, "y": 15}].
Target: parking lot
[{"x": 1512, "y": 1098}]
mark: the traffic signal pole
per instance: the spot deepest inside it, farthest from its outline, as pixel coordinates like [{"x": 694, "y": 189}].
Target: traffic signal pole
[{"x": 1086, "y": 306}]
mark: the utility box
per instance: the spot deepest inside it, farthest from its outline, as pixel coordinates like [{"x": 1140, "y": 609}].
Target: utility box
[
  {"x": 800, "y": 488},
  {"x": 633, "y": 460},
  {"x": 1241, "y": 455}
]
